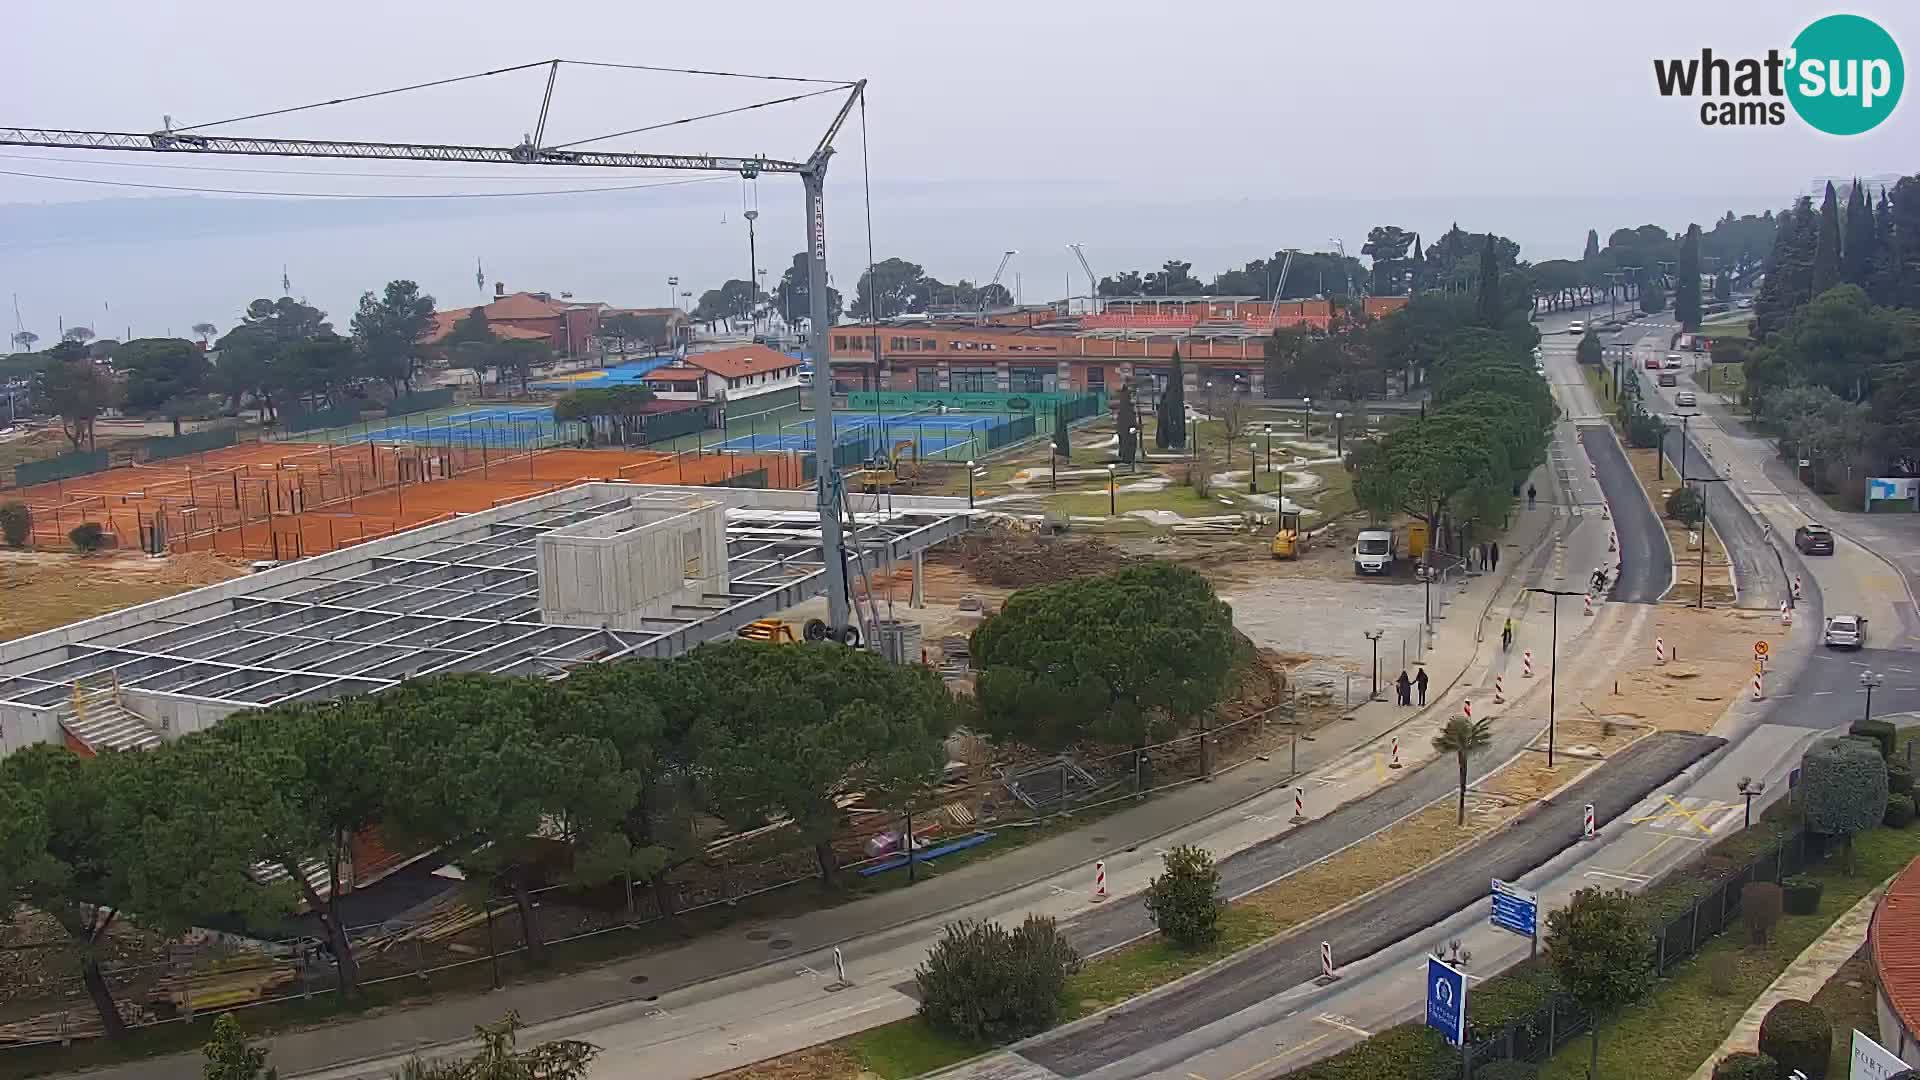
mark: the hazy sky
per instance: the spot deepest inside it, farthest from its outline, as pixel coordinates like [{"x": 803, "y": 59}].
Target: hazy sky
[{"x": 1215, "y": 132}]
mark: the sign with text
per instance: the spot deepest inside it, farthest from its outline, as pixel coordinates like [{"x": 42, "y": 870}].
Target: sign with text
[
  {"x": 1446, "y": 1000},
  {"x": 1871, "y": 1061},
  {"x": 1515, "y": 909}
]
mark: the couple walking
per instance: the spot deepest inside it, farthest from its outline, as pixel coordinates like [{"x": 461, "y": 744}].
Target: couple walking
[{"x": 1406, "y": 687}]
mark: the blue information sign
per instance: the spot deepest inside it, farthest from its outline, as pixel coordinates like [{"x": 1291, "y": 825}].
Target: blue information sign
[
  {"x": 1447, "y": 1000},
  {"x": 1515, "y": 909}
]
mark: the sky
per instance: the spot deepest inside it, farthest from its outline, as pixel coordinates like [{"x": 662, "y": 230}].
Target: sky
[{"x": 1143, "y": 131}]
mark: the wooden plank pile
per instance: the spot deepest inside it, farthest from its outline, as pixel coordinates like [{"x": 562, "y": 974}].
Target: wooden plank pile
[{"x": 233, "y": 979}]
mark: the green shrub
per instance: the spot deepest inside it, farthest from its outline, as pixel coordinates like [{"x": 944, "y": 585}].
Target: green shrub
[
  {"x": 1879, "y": 731},
  {"x": 1506, "y": 1070},
  {"x": 1184, "y": 902},
  {"x": 1407, "y": 1052},
  {"x": 1899, "y": 778},
  {"x": 1746, "y": 1066},
  {"x": 1798, "y": 1035},
  {"x": 1683, "y": 505},
  {"x": 1899, "y": 811},
  {"x": 88, "y": 536},
  {"x": 1845, "y": 790},
  {"x": 986, "y": 983},
  {"x": 1800, "y": 894},
  {"x": 1760, "y": 905},
  {"x": 16, "y": 521}
]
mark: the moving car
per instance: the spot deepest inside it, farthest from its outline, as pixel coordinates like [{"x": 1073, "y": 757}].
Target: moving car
[
  {"x": 1813, "y": 539},
  {"x": 1576, "y": 327},
  {"x": 1673, "y": 360},
  {"x": 1846, "y": 632},
  {"x": 1653, "y": 363},
  {"x": 1668, "y": 378},
  {"x": 1684, "y": 397}
]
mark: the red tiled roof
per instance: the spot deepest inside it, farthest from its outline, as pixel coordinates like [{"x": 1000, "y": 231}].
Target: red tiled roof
[
  {"x": 1896, "y": 945},
  {"x": 743, "y": 360},
  {"x": 676, "y": 373},
  {"x": 524, "y": 306},
  {"x": 445, "y": 321}
]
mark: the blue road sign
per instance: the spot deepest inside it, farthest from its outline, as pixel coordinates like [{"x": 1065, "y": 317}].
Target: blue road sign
[
  {"x": 1447, "y": 1000},
  {"x": 1515, "y": 909}
]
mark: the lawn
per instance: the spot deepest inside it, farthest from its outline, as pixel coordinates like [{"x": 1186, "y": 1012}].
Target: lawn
[
  {"x": 1847, "y": 999},
  {"x": 1669, "y": 1033}
]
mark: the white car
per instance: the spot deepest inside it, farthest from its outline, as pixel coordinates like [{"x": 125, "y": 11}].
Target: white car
[
  {"x": 1576, "y": 327},
  {"x": 1846, "y": 632},
  {"x": 1684, "y": 397},
  {"x": 1674, "y": 362}
]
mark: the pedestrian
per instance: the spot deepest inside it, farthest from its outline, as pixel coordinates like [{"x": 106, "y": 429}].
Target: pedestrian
[
  {"x": 1530, "y": 494},
  {"x": 1420, "y": 681},
  {"x": 1493, "y": 553},
  {"x": 1405, "y": 687},
  {"x": 1506, "y": 635}
]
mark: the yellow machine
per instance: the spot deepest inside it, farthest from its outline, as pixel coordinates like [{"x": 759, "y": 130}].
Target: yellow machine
[
  {"x": 1416, "y": 539},
  {"x": 879, "y": 479},
  {"x": 1289, "y": 540},
  {"x": 772, "y": 631}
]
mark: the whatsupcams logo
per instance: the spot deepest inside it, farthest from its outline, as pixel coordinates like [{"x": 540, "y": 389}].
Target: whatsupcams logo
[{"x": 1842, "y": 75}]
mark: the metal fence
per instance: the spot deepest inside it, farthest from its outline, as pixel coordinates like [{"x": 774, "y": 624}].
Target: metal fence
[{"x": 1537, "y": 1036}]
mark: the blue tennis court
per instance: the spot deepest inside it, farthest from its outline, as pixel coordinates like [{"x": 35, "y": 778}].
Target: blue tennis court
[
  {"x": 947, "y": 434},
  {"x": 486, "y": 425}
]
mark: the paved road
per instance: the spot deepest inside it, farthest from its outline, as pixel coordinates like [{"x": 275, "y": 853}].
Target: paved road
[
  {"x": 1132, "y": 1032},
  {"x": 1646, "y": 559}
]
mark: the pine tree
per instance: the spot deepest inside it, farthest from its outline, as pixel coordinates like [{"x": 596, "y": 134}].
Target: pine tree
[
  {"x": 1882, "y": 276},
  {"x": 1174, "y": 403},
  {"x": 1826, "y": 251},
  {"x": 1490, "y": 310},
  {"x": 1686, "y": 291},
  {"x": 1789, "y": 269},
  {"x": 1593, "y": 247},
  {"x": 1904, "y": 260},
  {"x": 1856, "y": 256}
]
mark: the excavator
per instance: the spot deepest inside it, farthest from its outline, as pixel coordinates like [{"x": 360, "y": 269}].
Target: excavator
[
  {"x": 880, "y": 478},
  {"x": 1289, "y": 539}
]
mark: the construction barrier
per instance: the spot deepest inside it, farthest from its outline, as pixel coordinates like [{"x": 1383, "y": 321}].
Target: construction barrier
[{"x": 53, "y": 469}]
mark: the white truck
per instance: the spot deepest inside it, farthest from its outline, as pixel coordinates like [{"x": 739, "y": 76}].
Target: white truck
[{"x": 1374, "y": 551}]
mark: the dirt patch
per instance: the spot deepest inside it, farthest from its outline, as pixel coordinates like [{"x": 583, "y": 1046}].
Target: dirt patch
[
  {"x": 1686, "y": 542},
  {"x": 39, "y": 591},
  {"x": 1013, "y": 558},
  {"x": 1709, "y": 665},
  {"x": 830, "y": 1062}
]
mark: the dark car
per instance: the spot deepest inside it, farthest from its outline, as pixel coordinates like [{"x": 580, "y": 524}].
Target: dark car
[{"x": 1813, "y": 540}]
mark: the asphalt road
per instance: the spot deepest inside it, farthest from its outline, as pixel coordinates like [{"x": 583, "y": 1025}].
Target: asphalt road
[
  {"x": 1130, "y": 1032},
  {"x": 1646, "y": 559}
]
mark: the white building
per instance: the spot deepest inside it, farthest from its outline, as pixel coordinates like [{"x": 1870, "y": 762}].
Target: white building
[{"x": 726, "y": 375}]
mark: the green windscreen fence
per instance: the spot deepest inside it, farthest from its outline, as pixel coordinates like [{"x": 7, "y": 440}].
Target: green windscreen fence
[
  {"x": 64, "y": 467},
  {"x": 338, "y": 416},
  {"x": 661, "y": 426},
  {"x": 193, "y": 442},
  {"x": 420, "y": 401}
]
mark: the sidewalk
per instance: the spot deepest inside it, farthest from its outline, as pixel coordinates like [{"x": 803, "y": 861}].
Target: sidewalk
[
  {"x": 739, "y": 1000},
  {"x": 1803, "y": 978}
]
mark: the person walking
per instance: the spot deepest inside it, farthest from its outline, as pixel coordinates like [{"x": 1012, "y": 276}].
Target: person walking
[
  {"x": 1493, "y": 554},
  {"x": 1404, "y": 686},
  {"x": 1420, "y": 681},
  {"x": 1530, "y": 494},
  {"x": 1506, "y": 635}
]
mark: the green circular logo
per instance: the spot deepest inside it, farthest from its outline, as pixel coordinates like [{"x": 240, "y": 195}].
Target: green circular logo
[{"x": 1846, "y": 75}]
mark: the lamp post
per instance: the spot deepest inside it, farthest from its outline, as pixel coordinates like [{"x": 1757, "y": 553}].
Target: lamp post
[
  {"x": 1373, "y": 636},
  {"x": 1684, "y": 417},
  {"x": 673, "y": 284},
  {"x": 1113, "y": 500},
  {"x": 1700, "y": 600},
  {"x": 1869, "y": 680},
  {"x": 1253, "y": 467},
  {"x": 1749, "y": 788},
  {"x": 1266, "y": 431},
  {"x": 1339, "y": 433},
  {"x": 970, "y": 483},
  {"x": 1553, "y": 662},
  {"x": 1306, "y": 421}
]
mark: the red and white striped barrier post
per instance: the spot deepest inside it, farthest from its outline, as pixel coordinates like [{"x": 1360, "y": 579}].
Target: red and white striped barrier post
[
  {"x": 1586, "y": 602},
  {"x": 1786, "y": 613},
  {"x": 1796, "y": 586},
  {"x": 1299, "y": 807},
  {"x": 1593, "y": 471},
  {"x": 1099, "y": 881},
  {"x": 1393, "y": 762},
  {"x": 1659, "y": 650},
  {"x": 1499, "y": 691},
  {"x": 1587, "y": 830},
  {"x": 1466, "y": 708},
  {"x": 1526, "y": 663},
  {"x": 1759, "y": 689},
  {"x": 1613, "y": 540},
  {"x": 1606, "y": 511},
  {"x": 1326, "y": 960}
]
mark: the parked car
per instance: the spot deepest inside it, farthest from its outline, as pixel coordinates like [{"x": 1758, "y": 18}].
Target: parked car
[
  {"x": 1684, "y": 397},
  {"x": 1673, "y": 360},
  {"x": 1846, "y": 632},
  {"x": 1813, "y": 539}
]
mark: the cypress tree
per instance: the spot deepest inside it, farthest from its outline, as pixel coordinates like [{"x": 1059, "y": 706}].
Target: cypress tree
[
  {"x": 1881, "y": 277},
  {"x": 1490, "y": 309},
  {"x": 1775, "y": 302},
  {"x": 1826, "y": 250},
  {"x": 1593, "y": 246},
  {"x": 1174, "y": 405},
  {"x": 1856, "y": 253},
  {"x": 1062, "y": 440},
  {"x": 1686, "y": 291},
  {"x": 1417, "y": 273}
]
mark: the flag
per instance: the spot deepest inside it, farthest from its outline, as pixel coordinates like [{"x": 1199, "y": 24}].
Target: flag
[
  {"x": 479, "y": 275},
  {"x": 286, "y": 283}
]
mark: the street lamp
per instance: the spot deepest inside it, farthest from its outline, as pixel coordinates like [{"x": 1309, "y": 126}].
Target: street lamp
[
  {"x": 1267, "y": 433},
  {"x": 1749, "y": 788},
  {"x": 970, "y": 482},
  {"x": 1339, "y": 431},
  {"x": 1869, "y": 680},
  {"x": 1373, "y": 636},
  {"x": 1253, "y": 467},
  {"x": 673, "y": 283},
  {"x": 1553, "y": 662},
  {"x": 1684, "y": 417},
  {"x": 1113, "y": 500},
  {"x": 1701, "y": 599},
  {"x": 1306, "y": 423}
]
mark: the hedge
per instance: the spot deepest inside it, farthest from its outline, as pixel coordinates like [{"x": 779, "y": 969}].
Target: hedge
[
  {"x": 1798, "y": 1035},
  {"x": 1899, "y": 811},
  {"x": 1407, "y": 1052},
  {"x": 1879, "y": 731},
  {"x": 1801, "y": 894},
  {"x": 1746, "y": 1066}
]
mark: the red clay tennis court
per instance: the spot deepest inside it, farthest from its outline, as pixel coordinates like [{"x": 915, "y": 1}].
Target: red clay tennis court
[{"x": 286, "y": 500}]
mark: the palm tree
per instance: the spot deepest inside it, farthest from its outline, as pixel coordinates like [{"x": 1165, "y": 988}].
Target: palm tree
[
  {"x": 1463, "y": 738},
  {"x": 206, "y": 330}
]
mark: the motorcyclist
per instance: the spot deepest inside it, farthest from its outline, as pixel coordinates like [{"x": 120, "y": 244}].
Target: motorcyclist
[{"x": 1599, "y": 577}]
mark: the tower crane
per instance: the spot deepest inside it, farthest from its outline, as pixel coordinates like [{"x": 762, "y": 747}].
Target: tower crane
[
  {"x": 532, "y": 150},
  {"x": 1093, "y": 290},
  {"x": 1286, "y": 267},
  {"x": 1005, "y": 258}
]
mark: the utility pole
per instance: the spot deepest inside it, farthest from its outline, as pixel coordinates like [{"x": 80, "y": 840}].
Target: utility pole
[
  {"x": 1553, "y": 663},
  {"x": 1700, "y": 600}
]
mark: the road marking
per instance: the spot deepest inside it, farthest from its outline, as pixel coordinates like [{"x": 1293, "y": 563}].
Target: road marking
[
  {"x": 1635, "y": 879},
  {"x": 1305, "y": 1046},
  {"x": 1677, "y": 811},
  {"x": 1816, "y": 693},
  {"x": 1344, "y": 1024}
]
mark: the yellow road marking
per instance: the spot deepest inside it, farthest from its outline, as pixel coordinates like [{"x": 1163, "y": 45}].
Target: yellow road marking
[
  {"x": 1648, "y": 854},
  {"x": 1289, "y": 1052},
  {"x": 1678, "y": 811}
]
